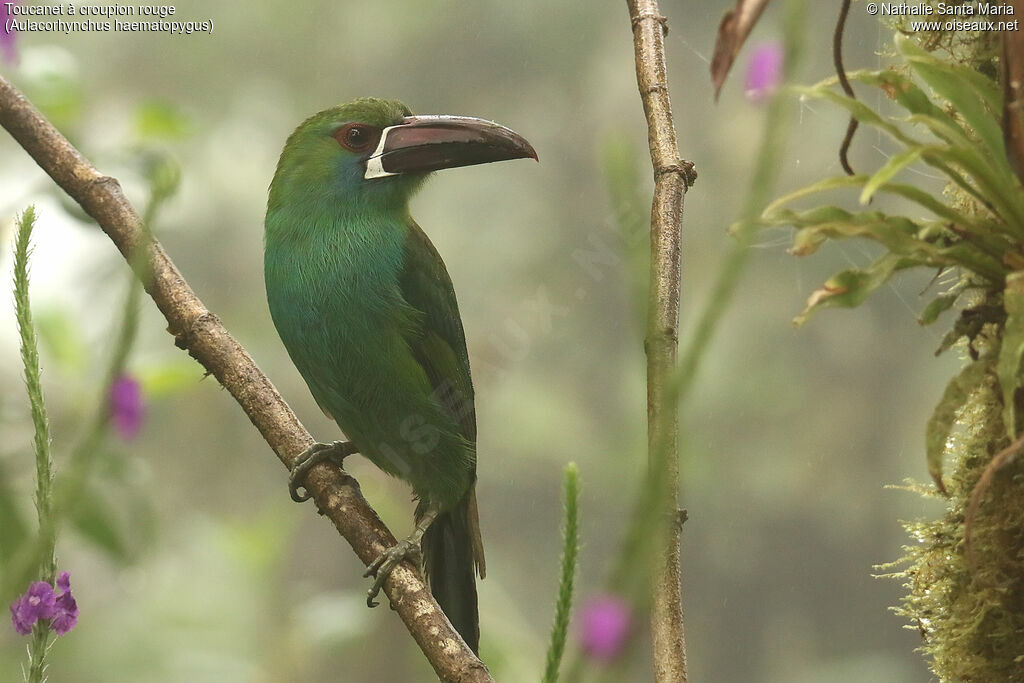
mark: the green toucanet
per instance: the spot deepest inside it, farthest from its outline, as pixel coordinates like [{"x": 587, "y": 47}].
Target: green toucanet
[{"x": 366, "y": 309}]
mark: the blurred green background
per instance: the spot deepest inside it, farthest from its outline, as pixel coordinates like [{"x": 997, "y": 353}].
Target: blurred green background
[{"x": 198, "y": 567}]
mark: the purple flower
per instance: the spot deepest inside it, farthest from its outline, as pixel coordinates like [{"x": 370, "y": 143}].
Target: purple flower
[
  {"x": 66, "y": 613},
  {"x": 764, "y": 71},
  {"x": 37, "y": 603},
  {"x": 40, "y": 602},
  {"x": 605, "y": 623},
  {"x": 126, "y": 408},
  {"x": 8, "y": 50}
]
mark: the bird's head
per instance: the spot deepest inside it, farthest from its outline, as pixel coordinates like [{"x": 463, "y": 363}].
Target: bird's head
[{"x": 375, "y": 151}]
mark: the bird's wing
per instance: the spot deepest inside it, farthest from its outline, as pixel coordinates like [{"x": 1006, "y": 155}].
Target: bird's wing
[{"x": 439, "y": 345}]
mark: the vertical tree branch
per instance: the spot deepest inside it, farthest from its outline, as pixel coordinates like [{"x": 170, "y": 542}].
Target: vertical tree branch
[
  {"x": 671, "y": 177},
  {"x": 198, "y": 331}
]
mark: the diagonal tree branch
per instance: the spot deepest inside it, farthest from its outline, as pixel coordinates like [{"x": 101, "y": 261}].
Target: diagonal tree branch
[
  {"x": 671, "y": 178},
  {"x": 199, "y": 332}
]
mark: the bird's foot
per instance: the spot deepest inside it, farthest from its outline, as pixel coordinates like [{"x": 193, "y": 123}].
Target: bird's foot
[
  {"x": 335, "y": 452},
  {"x": 381, "y": 568},
  {"x": 407, "y": 549}
]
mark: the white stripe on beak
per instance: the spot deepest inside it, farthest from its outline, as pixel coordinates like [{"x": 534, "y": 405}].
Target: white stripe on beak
[{"x": 374, "y": 166}]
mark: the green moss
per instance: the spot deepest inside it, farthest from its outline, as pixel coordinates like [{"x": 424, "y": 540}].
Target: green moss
[
  {"x": 976, "y": 49},
  {"x": 968, "y": 601},
  {"x": 969, "y": 608}
]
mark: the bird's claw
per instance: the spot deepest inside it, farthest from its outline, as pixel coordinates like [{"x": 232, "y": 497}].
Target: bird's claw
[
  {"x": 335, "y": 452},
  {"x": 382, "y": 567}
]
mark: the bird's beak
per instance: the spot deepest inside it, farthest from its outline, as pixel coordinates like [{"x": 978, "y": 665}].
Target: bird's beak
[{"x": 431, "y": 143}]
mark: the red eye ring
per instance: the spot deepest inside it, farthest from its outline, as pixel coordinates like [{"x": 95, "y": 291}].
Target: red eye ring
[{"x": 357, "y": 137}]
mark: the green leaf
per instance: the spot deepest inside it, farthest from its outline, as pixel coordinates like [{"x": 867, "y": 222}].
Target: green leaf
[
  {"x": 824, "y": 185},
  {"x": 928, "y": 201},
  {"x": 900, "y": 235},
  {"x": 849, "y": 288},
  {"x": 897, "y": 233},
  {"x": 978, "y": 100},
  {"x": 923, "y": 243},
  {"x": 942, "y": 126},
  {"x": 937, "y": 307},
  {"x": 905, "y": 191},
  {"x": 923, "y": 111},
  {"x": 1011, "y": 349},
  {"x": 967, "y": 104},
  {"x": 983, "y": 86},
  {"x": 858, "y": 110},
  {"x": 996, "y": 184},
  {"x": 896, "y": 86},
  {"x": 904, "y": 91},
  {"x": 969, "y": 257},
  {"x": 966, "y": 80},
  {"x": 993, "y": 184},
  {"x": 940, "y": 424},
  {"x": 986, "y": 185},
  {"x": 894, "y": 165}
]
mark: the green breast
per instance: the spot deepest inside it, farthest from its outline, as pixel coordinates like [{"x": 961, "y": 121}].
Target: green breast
[{"x": 334, "y": 290}]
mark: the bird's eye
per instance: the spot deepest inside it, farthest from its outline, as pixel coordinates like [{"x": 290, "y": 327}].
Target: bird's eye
[{"x": 356, "y": 137}]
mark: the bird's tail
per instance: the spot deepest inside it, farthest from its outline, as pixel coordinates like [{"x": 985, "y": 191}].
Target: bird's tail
[{"x": 453, "y": 553}]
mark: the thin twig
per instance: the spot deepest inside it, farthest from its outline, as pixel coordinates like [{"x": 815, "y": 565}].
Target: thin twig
[
  {"x": 662, "y": 343},
  {"x": 198, "y": 331}
]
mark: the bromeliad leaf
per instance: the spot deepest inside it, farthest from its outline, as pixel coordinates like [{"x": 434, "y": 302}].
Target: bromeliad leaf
[
  {"x": 992, "y": 188},
  {"x": 927, "y": 244},
  {"x": 897, "y": 233},
  {"x": 974, "y": 96},
  {"x": 905, "y": 92},
  {"x": 833, "y": 183},
  {"x": 858, "y": 110},
  {"x": 908, "y": 95},
  {"x": 849, "y": 288},
  {"x": 903, "y": 190},
  {"x": 937, "y": 307},
  {"x": 894, "y": 165},
  {"x": 985, "y": 179}
]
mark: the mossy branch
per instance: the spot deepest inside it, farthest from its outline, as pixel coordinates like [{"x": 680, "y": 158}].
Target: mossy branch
[{"x": 198, "y": 331}]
